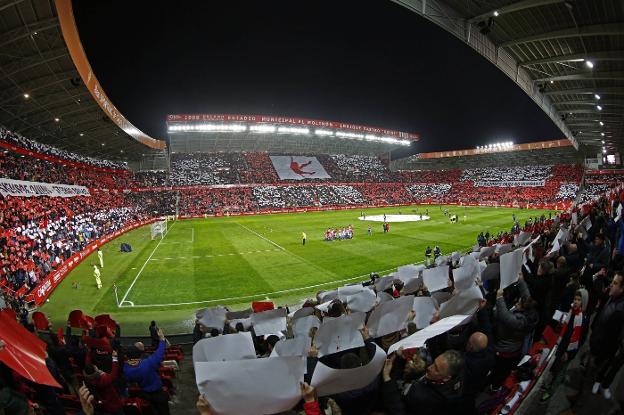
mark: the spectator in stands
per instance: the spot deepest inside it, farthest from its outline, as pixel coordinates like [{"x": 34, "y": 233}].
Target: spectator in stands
[
  {"x": 145, "y": 373},
  {"x": 438, "y": 392},
  {"x": 511, "y": 330},
  {"x": 607, "y": 335},
  {"x": 153, "y": 330},
  {"x": 570, "y": 337},
  {"x": 479, "y": 356},
  {"x": 102, "y": 387}
]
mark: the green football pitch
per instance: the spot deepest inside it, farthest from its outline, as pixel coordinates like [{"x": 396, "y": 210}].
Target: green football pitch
[{"x": 239, "y": 259}]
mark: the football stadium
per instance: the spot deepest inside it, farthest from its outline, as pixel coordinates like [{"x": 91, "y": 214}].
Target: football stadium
[{"x": 250, "y": 260}]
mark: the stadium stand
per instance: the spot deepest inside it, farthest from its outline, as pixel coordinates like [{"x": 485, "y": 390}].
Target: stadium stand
[
  {"x": 205, "y": 168},
  {"x": 468, "y": 354},
  {"x": 40, "y": 234},
  {"x": 25, "y": 143}
]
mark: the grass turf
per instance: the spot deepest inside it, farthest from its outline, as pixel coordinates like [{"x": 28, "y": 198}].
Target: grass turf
[{"x": 235, "y": 260}]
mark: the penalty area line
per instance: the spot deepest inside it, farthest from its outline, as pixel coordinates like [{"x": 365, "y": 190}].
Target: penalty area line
[
  {"x": 260, "y": 236},
  {"x": 123, "y": 300}
]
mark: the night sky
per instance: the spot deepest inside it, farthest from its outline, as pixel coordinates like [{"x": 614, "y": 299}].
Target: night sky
[{"x": 367, "y": 62}]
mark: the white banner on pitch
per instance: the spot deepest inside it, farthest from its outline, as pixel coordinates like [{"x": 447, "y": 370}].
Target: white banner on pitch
[{"x": 298, "y": 168}]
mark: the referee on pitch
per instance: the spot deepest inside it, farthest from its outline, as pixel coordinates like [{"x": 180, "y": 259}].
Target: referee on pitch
[{"x": 303, "y": 237}]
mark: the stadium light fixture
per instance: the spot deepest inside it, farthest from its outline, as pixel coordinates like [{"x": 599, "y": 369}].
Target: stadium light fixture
[
  {"x": 589, "y": 64},
  {"x": 266, "y": 128},
  {"x": 604, "y": 150},
  {"x": 596, "y": 96},
  {"x": 26, "y": 96},
  {"x": 345, "y": 134},
  {"x": 599, "y": 107},
  {"x": 81, "y": 134},
  {"x": 323, "y": 132},
  {"x": 602, "y": 134},
  {"x": 57, "y": 119},
  {"x": 552, "y": 82},
  {"x": 601, "y": 123},
  {"x": 496, "y": 13},
  {"x": 293, "y": 130},
  {"x": 209, "y": 127},
  {"x": 603, "y": 141}
]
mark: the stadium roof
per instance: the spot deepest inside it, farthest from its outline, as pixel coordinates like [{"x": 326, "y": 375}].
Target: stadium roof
[
  {"x": 237, "y": 132},
  {"x": 568, "y": 55},
  {"x": 47, "y": 89}
]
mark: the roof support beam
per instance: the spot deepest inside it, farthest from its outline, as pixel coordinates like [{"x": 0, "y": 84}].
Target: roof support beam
[
  {"x": 603, "y": 103},
  {"x": 37, "y": 84},
  {"x": 588, "y": 91},
  {"x": 615, "y": 55},
  {"x": 24, "y": 32},
  {"x": 585, "y": 76},
  {"x": 29, "y": 62},
  {"x": 611, "y": 29},
  {"x": 592, "y": 111},
  {"x": 514, "y": 7}
]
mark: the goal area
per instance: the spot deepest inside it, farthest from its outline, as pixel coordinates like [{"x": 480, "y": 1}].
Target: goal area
[{"x": 158, "y": 229}]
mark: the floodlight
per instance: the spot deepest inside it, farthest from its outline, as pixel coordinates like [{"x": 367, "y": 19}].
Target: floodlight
[
  {"x": 264, "y": 128},
  {"x": 293, "y": 130}
]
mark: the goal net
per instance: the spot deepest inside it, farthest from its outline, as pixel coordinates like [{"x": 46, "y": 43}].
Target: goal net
[{"x": 158, "y": 229}]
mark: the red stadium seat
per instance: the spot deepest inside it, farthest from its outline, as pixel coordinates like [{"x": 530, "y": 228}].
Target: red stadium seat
[
  {"x": 40, "y": 321},
  {"x": 259, "y": 306},
  {"x": 75, "y": 318}
]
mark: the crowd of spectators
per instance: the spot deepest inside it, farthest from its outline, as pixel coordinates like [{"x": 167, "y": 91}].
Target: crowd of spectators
[
  {"x": 593, "y": 191},
  {"x": 20, "y": 167},
  {"x": 37, "y": 234},
  {"x": 506, "y": 174},
  {"x": 199, "y": 202},
  {"x": 23, "y": 142},
  {"x": 151, "y": 178},
  {"x": 426, "y": 192},
  {"x": 357, "y": 168},
  {"x": 428, "y": 176},
  {"x": 270, "y": 197},
  {"x": 259, "y": 169},
  {"x": 567, "y": 191},
  {"x": 605, "y": 177},
  {"x": 205, "y": 168}
]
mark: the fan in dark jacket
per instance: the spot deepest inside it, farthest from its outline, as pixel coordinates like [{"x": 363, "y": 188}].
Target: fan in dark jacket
[
  {"x": 511, "y": 329},
  {"x": 438, "y": 392},
  {"x": 606, "y": 331}
]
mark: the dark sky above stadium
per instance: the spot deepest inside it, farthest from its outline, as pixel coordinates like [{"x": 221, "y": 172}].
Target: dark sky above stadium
[{"x": 367, "y": 62}]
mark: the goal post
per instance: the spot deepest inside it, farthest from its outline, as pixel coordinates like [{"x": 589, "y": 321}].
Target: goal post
[{"x": 158, "y": 229}]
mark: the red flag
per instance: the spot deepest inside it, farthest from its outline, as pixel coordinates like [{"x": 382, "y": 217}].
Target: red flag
[{"x": 24, "y": 352}]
